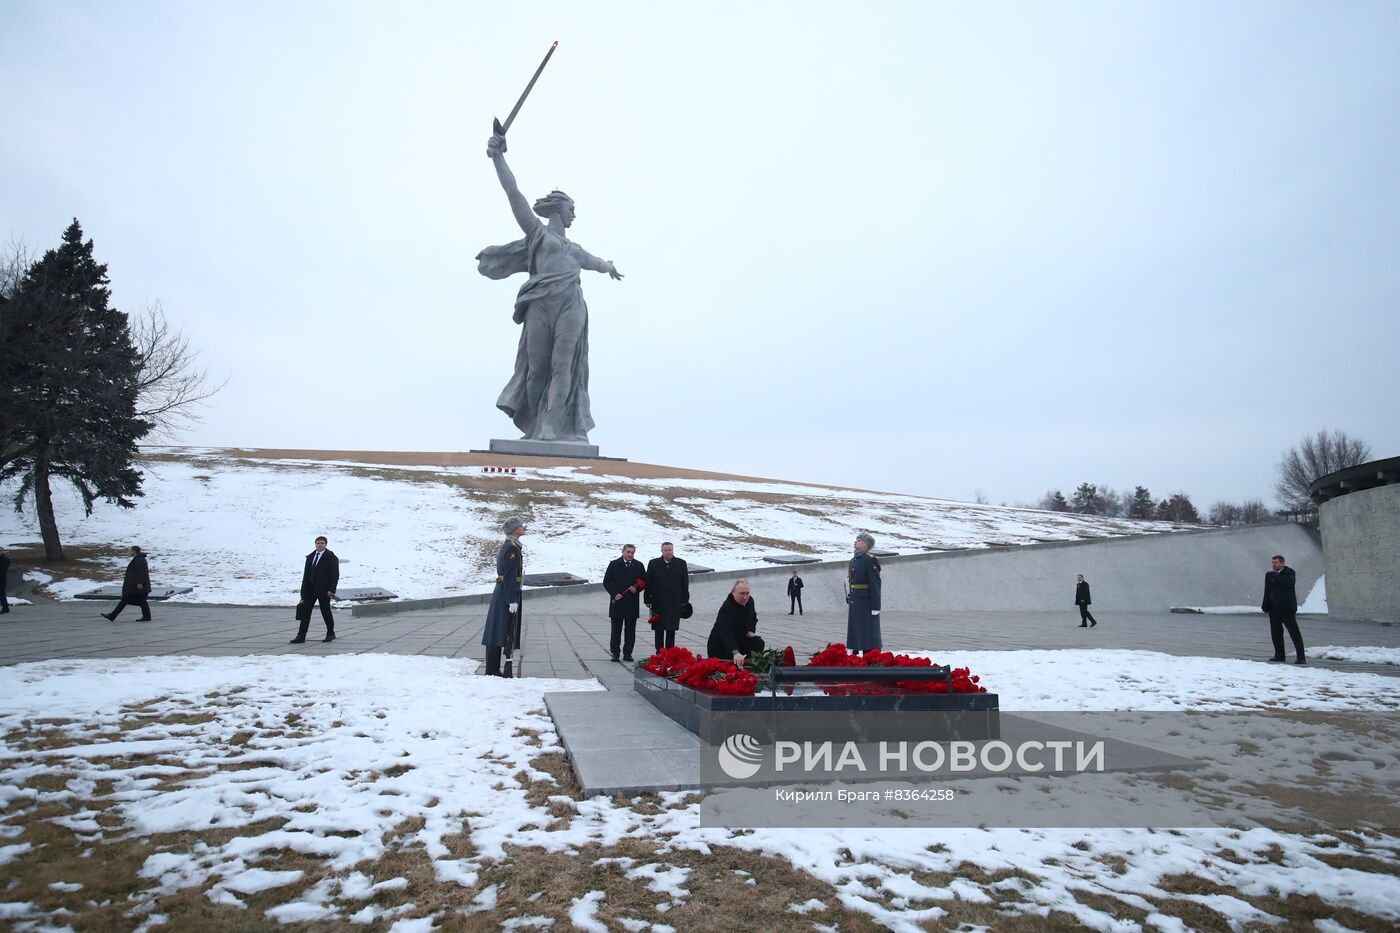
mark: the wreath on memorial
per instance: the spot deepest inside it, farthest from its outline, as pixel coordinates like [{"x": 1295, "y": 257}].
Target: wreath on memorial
[
  {"x": 721, "y": 676},
  {"x": 962, "y": 678}
]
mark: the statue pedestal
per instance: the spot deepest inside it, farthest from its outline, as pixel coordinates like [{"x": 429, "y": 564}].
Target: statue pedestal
[{"x": 571, "y": 449}]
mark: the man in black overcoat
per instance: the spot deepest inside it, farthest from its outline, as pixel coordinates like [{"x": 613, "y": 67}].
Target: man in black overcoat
[
  {"x": 795, "y": 593},
  {"x": 4, "y": 582},
  {"x": 1082, "y": 600},
  {"x": 734, "y": 636},
  {"x": 319, "y": 579},
  {"x": 502, "y": 631},
  {"x": 136, "y": 588},
  {"x": 623, "y": 581},
  {"x": 667, "y": 593},
  {"x": 1281, "y": 603},
  {"x": 863, "y": 597}
]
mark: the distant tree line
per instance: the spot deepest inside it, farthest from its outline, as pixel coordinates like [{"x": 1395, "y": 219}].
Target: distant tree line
[
  {"x": 1313, "y": 457},
  {"x": 1102, "y": 499},
  {"x": 81, "y": 383}
]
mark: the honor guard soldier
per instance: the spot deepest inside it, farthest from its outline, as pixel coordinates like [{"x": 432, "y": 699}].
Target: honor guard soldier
[
  {"x": 863, "y": 597},
  {"x": 503, "y": 618}
]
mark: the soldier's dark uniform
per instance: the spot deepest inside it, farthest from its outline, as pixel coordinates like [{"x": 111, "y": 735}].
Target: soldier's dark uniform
[
  {"x": 510, "y": 571},
  {"x": 862, "y": 628}
]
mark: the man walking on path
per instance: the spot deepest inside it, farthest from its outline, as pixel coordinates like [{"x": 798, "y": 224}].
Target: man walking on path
[
  {"x": 623, "y": 580},
  {"x": 1281, "y": 603},
  {"x": 319, "y": 579},
  {"x": 502, "y": 629},
  {"x": 1082, "y": 600},
  {"x": 863, "y": 597},
  {"x": 667, "y": 593},
  {"x": 4, "y": 582},
  {"x": 794, "y": 593},
  {"x": 136, "y": 588}
]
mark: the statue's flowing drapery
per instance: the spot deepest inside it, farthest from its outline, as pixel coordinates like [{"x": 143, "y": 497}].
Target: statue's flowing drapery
[{"x": 545, "y": 400}]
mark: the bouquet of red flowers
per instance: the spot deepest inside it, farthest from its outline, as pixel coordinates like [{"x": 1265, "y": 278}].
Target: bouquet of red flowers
[
  {"x": 670, "y": 662},
  {"x": 719, "y": 675}
]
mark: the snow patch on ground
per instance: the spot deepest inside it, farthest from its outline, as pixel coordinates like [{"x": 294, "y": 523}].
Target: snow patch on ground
[
  {"x": 349, "y": 750},
  {"x": 431, "y": 531},
  {"x": 1357, "y": 654}
]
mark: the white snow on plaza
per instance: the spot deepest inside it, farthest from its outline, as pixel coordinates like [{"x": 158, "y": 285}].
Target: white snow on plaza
[
  {"x": 351, "y": 751},
  {"x": 236, "y": 526}
]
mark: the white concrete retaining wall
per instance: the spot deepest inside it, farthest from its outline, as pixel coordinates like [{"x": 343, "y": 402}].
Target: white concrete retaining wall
[
  {"x": 1361, "y": 538},
  {"x": 1218, "y": 567}
]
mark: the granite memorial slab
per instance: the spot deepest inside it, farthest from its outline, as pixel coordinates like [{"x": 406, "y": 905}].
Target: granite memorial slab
[
  {"x": 790, "y": 559},
  {"x": 693, "y": 569},
  {"x": 114, "y": 591},
  {"x": 973, "y": 716},
  {"x": 553, "y": 579},
  {"x": 355, "y": 594}
]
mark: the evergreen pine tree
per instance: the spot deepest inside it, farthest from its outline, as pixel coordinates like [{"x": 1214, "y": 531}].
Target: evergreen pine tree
[
  {"x": 70, "y": 379},
  {"x": 1086, "y": 500},
  {"x": 1142, "y": 506},
  {"x": 1058, "y": 502},
  {"x": 1178, "y": 509}
]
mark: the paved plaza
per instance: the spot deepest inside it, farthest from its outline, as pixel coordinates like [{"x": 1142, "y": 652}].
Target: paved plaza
[{"x": 574, "y": 644}]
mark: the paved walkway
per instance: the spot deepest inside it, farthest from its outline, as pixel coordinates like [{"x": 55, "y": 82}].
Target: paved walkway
[{"x": 575, "y": 645}]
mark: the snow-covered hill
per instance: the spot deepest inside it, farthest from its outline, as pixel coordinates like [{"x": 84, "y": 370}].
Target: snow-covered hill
[{"x": 235, "y": 524}]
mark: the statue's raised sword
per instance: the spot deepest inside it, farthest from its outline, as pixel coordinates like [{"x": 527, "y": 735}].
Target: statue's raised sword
[{"x": 500, "y": 127}]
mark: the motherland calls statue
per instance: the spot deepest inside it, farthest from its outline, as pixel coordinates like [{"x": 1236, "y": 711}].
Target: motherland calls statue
[{"x": 547, "y": 397}]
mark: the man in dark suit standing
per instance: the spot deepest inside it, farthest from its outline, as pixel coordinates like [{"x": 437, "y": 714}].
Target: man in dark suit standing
[
  {"x": 794, "y": 593},
  {"x": 667, "y": 593},
  {"x": 136, "y": 588},
  {"x": 1281, "y": 603},
  {"x": 318, "y": 582},
  {"x": 623, "y": 581},
  {"x": 1082, "y": 600},
  {"x": 4, "y": 581}
]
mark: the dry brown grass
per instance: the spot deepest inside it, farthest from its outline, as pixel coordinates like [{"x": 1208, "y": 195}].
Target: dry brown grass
[{"x": 530, "y": 881}]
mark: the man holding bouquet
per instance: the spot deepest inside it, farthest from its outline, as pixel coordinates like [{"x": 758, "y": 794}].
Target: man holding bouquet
[{"x": 624, "y": 580}]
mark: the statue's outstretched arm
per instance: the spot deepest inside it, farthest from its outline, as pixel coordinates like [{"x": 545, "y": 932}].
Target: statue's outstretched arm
[
  {"x": 496, "y": 149},
  {"x": 594, "y": 264}
]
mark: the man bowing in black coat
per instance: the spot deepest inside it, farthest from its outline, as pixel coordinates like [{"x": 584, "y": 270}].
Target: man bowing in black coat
[
  {"x": 667, "y": 593},
  {"x": 319, "y": 579},
  {"x": 623, "y": 581},
  {"x": 136, "y": 588},
  {"x": 1281, "y": 603}
]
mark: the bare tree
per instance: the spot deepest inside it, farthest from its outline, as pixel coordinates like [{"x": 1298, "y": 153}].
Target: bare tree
[
  {"x": 15, "y": 262},
  {"x": 1224, "y": 513},
  {"x": 1255, "y": 512},
  {"x": 980, "y": 497},
  {"x": 170, "y": 387},
  {"x": 1314, "y": 457}
]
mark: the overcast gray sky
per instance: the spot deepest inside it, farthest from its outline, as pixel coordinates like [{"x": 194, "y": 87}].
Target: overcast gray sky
[{"x": 923, "y": 247}]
